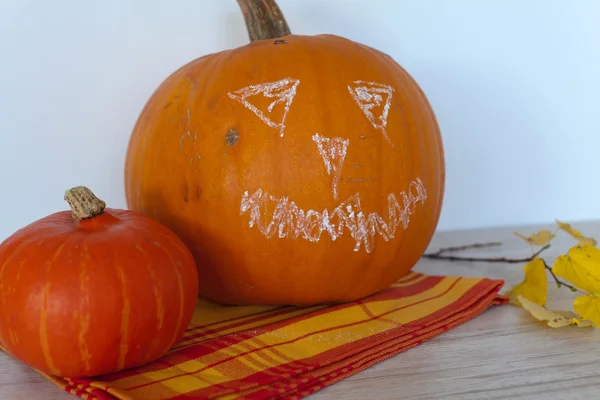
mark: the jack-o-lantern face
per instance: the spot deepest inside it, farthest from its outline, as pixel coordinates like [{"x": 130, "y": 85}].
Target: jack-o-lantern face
[{"x": 301, "y": 170}]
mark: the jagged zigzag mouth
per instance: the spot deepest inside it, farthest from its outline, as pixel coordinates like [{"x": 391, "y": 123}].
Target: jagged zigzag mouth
[{"x": 290, "y": 221}]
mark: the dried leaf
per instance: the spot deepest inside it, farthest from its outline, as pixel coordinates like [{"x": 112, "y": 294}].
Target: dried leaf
[
  {"x": 580, "y": 266},
  {"x": 554, "y": 319},
  {"x": 589, "y": 308},
  {"x": 576, "y": 234},
  {"x": 540, "y": 238},
  {"x": 535, "y": 285}
]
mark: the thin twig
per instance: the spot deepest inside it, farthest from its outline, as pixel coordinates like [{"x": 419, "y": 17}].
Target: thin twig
[
  {"x": 439, "y": 256},
  {"x": 465, "y": 247},
  {"x": 559, "y": 283}
]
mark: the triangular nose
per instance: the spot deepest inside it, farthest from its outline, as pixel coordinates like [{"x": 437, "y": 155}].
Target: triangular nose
[{"x": 333, "y": 151}]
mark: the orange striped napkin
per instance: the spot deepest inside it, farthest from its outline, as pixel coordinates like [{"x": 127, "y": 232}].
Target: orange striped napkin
[{"x": 289, "y": 352}]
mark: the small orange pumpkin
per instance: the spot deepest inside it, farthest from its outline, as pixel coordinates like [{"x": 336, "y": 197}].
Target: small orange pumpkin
[
  {"x": 94, "y": 290},
  {"x": 298, "y": 169}
]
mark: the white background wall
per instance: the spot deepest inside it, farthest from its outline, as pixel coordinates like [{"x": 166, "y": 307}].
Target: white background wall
[{"x": 515, "y": 85}]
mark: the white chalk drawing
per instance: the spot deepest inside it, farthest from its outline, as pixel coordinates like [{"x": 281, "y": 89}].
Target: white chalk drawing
[
  {"x": 282, "y": 92},
  {"x": 187, "y": 131},
  {"x": 333, "y": 151},
  {"x": 188, "y": 135},
  {"x": 375, "y": 100},
  {"x": 288, "y": 220}
]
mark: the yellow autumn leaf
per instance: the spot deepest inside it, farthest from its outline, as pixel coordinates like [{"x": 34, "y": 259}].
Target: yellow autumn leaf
[
  {"x": 554, "y": 319},
  {"x": 535, "y": 285},
  {"x": 541, "y": 238},
  {"x": 589, "y": 308},
  {"x": 580, "y": 266},
  {"x": 576, "y": 234}
]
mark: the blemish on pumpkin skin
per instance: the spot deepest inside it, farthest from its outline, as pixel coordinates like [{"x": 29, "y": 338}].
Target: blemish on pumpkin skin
[
  {"x": 280, "y": 41},
  {"x": 197, "y": 192},
  {"x": 186, "y": 193},
  {"x": 192, "y": 81},
  {"x": 362, "y": 136},
  {"x": 167, "y": 105},
  {"x": 357, "y": 180},
  {"x": 232, "y": 137},
  {"x": 212, "y": 102}
]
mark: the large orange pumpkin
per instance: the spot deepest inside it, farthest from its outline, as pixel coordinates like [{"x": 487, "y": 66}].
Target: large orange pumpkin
[
  {"x": 298, "y": 169},
  {"x": 94, "y": 290}
]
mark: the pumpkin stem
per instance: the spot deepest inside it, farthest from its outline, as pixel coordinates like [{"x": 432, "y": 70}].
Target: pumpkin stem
[
  {"x": 84, "y": 204},
  {"x": 264, "y": 19}
]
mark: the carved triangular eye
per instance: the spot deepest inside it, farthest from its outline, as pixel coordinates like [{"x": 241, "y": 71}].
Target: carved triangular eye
[
  {"x": 375, "y": 100},
  {"x": 263, "y": 98}
]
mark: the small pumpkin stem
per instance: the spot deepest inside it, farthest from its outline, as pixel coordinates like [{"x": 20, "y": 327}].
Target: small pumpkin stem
[
  {"x": 84, "y": 204},
  {"x": 264, "y": 19}
]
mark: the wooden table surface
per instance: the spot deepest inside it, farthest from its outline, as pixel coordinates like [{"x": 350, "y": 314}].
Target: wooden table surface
[{"x": 503, "y": 353}]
